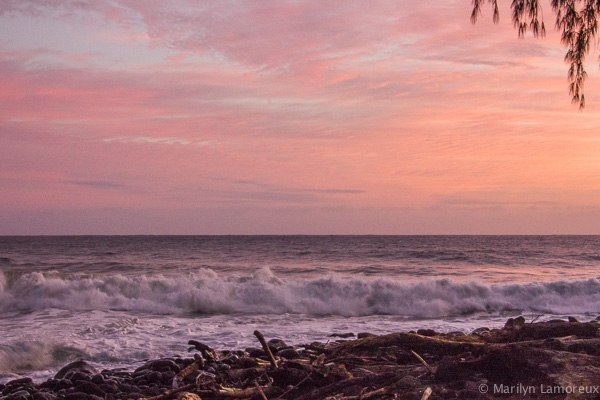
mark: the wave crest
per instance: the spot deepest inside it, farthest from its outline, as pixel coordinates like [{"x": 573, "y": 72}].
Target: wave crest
[{"x": 206, "y": 292}]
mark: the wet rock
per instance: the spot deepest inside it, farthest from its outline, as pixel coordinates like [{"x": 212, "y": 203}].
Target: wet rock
[
  {"x": 255, "y": 352},
  {"x": 573, "y": 319},
  {"x": 43, "y": 396},
  {"x": 342, "y": 335},
  {"x": 246, "y": 362},
  {"x": 363, "y": 335},
  {"x": 18, "y": 382},
  {"x": 290, "y": 354},
  {"x": 98, "y": 379},
  {"x": 427, "y": 332},
  {"x": 89, "y": 388},
  {"x": 514, "y": 323},
  {"x": 77, "y": 396},
  {"x": 482, "y": 331},
  {"x": 162, "y": 365},
  {"x": 19, "y": 394},
  {"x": 76, "y": 366},
  {"x": 277, "y": 344}
]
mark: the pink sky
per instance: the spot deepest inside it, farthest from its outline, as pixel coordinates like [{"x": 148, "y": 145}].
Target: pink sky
[{"x": 289, "y": 116}]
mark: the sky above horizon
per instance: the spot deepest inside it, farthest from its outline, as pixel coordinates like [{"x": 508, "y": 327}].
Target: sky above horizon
[{"x": 290, "y": 117}]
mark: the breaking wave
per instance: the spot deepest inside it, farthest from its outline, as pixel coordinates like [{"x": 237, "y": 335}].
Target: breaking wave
[{"x": 206, "y": 292}]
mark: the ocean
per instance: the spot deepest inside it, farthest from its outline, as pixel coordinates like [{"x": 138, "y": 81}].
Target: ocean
[{"x": 119, "y": 300}]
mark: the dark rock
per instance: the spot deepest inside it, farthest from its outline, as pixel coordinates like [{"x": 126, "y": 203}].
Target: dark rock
[
  {"x": 162, "y": 365},
  {"x": 108, "y": 388},
  {"x": 19, "y": 394},
  {"x": 19, "y": 382},
  {"x": 167, "y": 377},
  {"x": 98, "y": 379},
  {"x": 363, "y": 335},
  {"x": 255, "y": 352},
  {"x": 427, "y": 332},
  {"x": 43, "y": 396},
  {"x": 514, "y": 323},
  {"x": 404, "y": 357},
  {"x": 77, "y": 366},
  {"x": 288, "y": 377},
  {"x": 277, "y": 344},
  {"x": 77, "y": 396},
  {"x": 63, "y": 384},
  {"x": 89, "y": 388},
  {"x": 482, "y": 331},
  {"x": 573, "y": 319},
  {"x": 290, "y": 354},
  {"x": 455, "y": 333},
  {"x": 153, "y": 377},
  {"x": 246, "y": 362},
  {"x": 342, "y": 335},
  {"x": 76, "y": 376}
]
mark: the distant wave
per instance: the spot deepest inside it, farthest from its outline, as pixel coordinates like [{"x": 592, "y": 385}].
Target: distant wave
[{"x": 206, "y": 292}]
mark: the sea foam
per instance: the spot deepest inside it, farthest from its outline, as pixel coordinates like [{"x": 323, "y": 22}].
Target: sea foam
[{"x": 206, "y": 292}]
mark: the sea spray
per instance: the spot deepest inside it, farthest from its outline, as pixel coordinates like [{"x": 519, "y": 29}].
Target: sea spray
[{"x": 208, "y": 293}]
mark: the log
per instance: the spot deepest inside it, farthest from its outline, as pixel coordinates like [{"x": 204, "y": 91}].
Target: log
[
  {"x": 409, "y": 341},
  {"x": 266, "y": 348}
]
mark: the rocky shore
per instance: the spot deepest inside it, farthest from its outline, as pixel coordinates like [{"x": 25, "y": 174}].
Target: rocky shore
[{"x": 532, "y": 360}]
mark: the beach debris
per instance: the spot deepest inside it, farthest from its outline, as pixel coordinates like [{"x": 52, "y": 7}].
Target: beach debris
[
  {"x": 556, "y": 354},
  {"x": 266, "y": 349},
  {"x": 427, "y": 393},
  {"x": 423, "y": 362}
]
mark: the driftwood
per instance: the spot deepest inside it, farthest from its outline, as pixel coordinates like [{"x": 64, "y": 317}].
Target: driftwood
[
  {"x": 266, "y": 348},
  {"x": 208, "y": 353},
  {"x": 409, "y": 341},
  {"x": 234, "y": 393},
  {"x": 187, "y": 371},
  {"x": 423, "y": 362},
  {"x": 171, "y": 394}
]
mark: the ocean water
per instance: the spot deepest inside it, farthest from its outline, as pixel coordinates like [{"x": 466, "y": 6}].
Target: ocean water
[{"x": 119, "y": 300}]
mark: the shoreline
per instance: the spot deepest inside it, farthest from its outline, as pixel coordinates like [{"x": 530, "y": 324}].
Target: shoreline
[{"x": 533, "y": 360}]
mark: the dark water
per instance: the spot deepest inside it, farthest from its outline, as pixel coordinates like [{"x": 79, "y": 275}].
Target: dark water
[{"x": 488, "y": 258}]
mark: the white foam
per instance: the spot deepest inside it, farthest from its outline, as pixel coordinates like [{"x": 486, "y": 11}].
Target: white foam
[{"x": 205, "y": 292}]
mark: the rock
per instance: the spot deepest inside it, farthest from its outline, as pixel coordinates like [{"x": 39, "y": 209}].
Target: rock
[
  {"x": 514, "y": 323},
  {"x": 162, "y": 365},
  {"x": 290, "y": 354},
  {"x": 573, "y": 319},
  {"x": 255, "y": 352},
  {"x": 363, "y": 335},
  {"x": 43, "y": 396},
  {"x": 342, "y": 335},
  {"x": 427, "y": 332},
  {"x": 89, "y": 388},
  {"x": 277, "y": 344},
  {"x": 76, "y": 366},
  {"x": 19, "y": 382},
  {"x": 20, "y": 394},
  {"x": 482, "y": 331},
  {"x": 98, "y": 379},
  {"x": 77, "y": 396}
]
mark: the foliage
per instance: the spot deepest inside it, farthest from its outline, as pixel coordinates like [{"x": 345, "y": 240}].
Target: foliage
[{"x": 576, "y": 19}]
